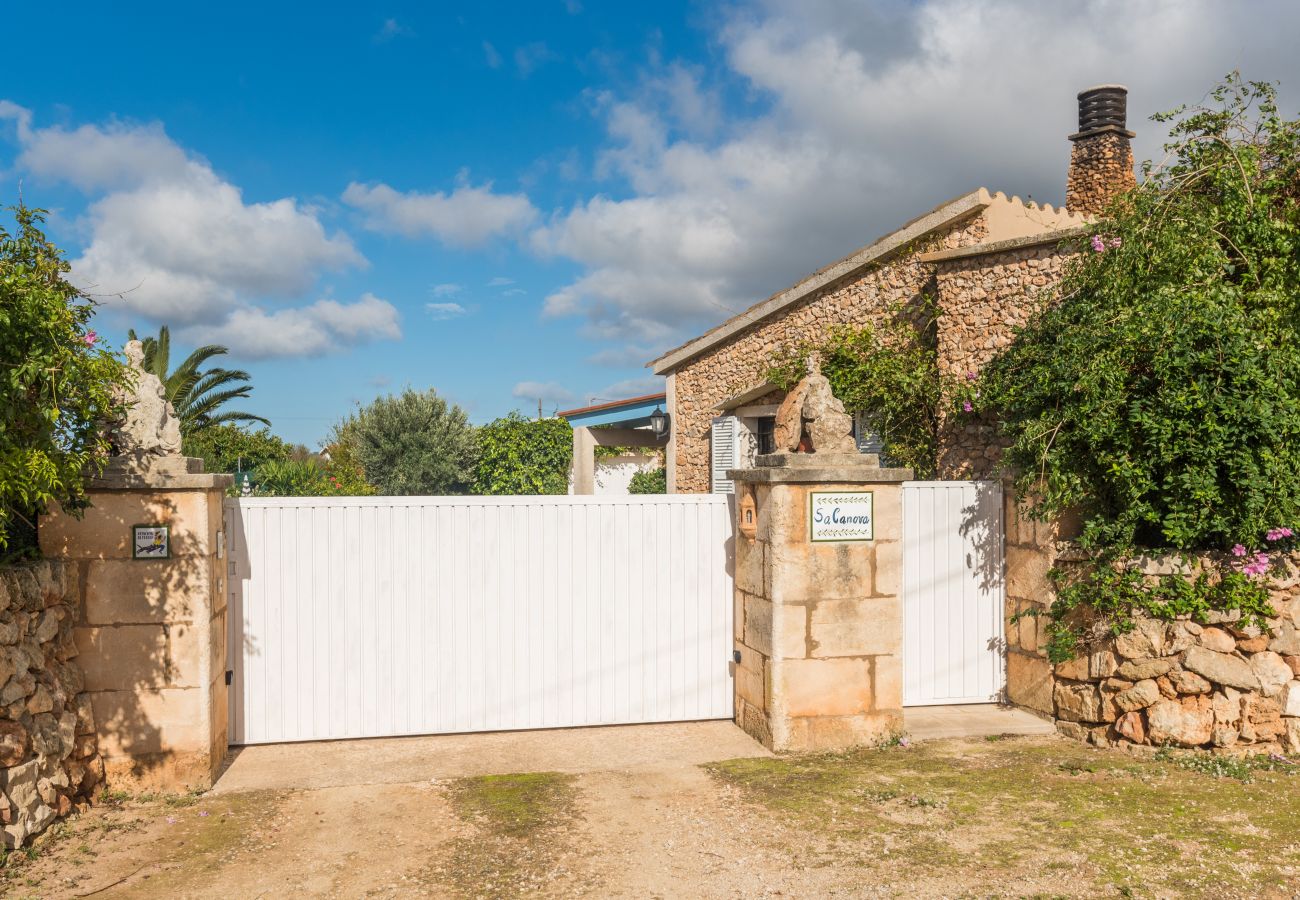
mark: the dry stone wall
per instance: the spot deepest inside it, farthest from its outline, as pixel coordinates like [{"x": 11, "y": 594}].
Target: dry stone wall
[
  {"x": 983, "y": 299},
  {"x": 49, "y": 756},
  {"x": 1101, "y": 167},
  {"x": 740, "y": 363}
]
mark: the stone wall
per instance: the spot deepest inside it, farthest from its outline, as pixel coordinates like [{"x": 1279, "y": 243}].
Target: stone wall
[
  {"x": 818, "y": 627},
  {"x": 1101, "y": 168},
  {"x": 49, "y": 758},
  {"x": 984, "y": 295},
  {"x": 741, "y": 362}
]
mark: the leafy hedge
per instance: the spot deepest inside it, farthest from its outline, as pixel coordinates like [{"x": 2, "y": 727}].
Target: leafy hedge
[
  {"x": 57, "y": 380},
  {"x": 524, "y": 456}
]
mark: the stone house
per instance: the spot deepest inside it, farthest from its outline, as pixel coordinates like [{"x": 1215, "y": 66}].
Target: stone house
[{"x": 985, "y": 257}]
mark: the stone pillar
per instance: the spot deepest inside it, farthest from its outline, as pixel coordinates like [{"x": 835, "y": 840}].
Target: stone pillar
[
  {"x": 818, "y": 624},
  {"x": 584, "y": 462},
  {"x": 152, "y": 637}
]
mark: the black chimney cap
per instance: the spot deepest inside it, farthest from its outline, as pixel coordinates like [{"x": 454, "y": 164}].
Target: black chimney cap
[{"x": 1103, "y": 107}]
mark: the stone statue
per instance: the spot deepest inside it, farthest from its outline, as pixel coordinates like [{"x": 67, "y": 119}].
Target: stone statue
[
  {"x": 810, "y": 406},
  {"x": 149, "y": 432}
]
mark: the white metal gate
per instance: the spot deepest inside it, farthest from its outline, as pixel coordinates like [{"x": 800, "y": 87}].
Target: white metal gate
[
  {"x": 953, "y": 646},
  {"x": 373, "y": 616}
]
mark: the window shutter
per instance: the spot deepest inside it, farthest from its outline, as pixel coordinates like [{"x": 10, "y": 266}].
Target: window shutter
[
  {"x": 868, "y": 441},
  {"x": 725, "y": 450}
]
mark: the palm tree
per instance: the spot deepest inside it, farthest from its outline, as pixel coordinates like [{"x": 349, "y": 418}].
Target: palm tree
[{"x": 195, "y": 394}]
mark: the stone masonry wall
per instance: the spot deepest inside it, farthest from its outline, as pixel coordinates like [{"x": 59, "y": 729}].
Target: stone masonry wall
[
  {"x": 1101, "y": 167},
  {"x": 1216, "y": 685},
  {"x": 983, "y": 299},
  {"x": 738, "y": 364},
  {"x": 49, "y": 756}
]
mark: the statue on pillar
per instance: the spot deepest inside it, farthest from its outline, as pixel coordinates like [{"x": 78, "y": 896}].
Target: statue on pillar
[
  {"x": 148, "y": 437},
  {"x": 811, "y": 419}
]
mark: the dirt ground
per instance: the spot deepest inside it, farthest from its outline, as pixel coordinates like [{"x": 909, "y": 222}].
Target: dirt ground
[{"x": 1015, "y": 817}]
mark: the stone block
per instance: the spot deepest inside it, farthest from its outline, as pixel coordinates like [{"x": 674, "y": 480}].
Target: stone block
[
  {"x": 1221, "y": 668},
  {"x": 738, "y": 614},
  {"x": 1029, "y": 682},
  {"x": 1139, "y": 669},
  {"x": 1139, "y": 696},
  {"x": 1073, "y": 669},
  {"x": 859, "y": 627},
  {"x": 1187, "y": 723},
  {"x": 889, "y": 569},
  {"x": 1289, "y": 699},
  {"x": 807, "y": 572},
  {"x": 750, "y": 678},
  {"x": 124, "y": 657},
  {"x": 822, "y": 687},
  {"x": 749, "y": 562},
  {"x": 1147, "y": 639},
  {"x": 1077, "y": 701},
  {"x": 134, "y": 724},
  {"x": 888, "y": 676},
  {"x": 1272, "y": 671},
  {"x": 774, "y": 631},
  {"x": 1218, "y": 639},
  {"x": 104, "y": 532},
  {"x": 841, "y": 732},
  {"x": 1027, "y": 570},
  {"x": 136, "y": 591}
]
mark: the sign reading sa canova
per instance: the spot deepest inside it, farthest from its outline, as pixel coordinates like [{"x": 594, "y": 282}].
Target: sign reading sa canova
[{"x": 840, "y": 516}]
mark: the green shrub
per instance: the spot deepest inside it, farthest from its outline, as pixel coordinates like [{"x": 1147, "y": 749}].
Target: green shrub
[
  {"x": 654, "y": 481},
  {"x": 524, "y": 456},
  {"x": 58, "y": 381}
]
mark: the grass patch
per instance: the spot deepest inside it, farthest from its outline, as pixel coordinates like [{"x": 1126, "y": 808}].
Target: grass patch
[
  {"x": 522, "y": 836},
  {"x": 515, "y": 806},
  {"x": 1105, "y": 821}
]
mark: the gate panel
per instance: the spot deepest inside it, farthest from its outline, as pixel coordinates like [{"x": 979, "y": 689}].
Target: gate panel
[
  {"x": 377, "y": 616},
  {"x": 953, "y": 645}
]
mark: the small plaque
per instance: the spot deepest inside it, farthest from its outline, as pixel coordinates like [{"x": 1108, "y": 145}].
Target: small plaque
[
  {"x": 835, "y": 516},
  {"x": 150, "y": 542}
]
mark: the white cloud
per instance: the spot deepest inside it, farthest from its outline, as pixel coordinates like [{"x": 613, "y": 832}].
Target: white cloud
[
  {"x": 441, "y": 311},
  {"x": 491, "y": 56},
  {"x": 868, "y": 115},
  {"x": 633, "y": 387},
  {"x": 324, "y": 326},
  {"x": 169, "y": 240},
  {"x": 546, "y": 391},
  {"x": 446, "y": 290},
  {"x": 468, "y": 216},
  {"x": 500, "y": 282}
]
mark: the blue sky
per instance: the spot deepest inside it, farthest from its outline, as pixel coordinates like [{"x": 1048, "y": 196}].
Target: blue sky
[{"x": 507, "y": 201}]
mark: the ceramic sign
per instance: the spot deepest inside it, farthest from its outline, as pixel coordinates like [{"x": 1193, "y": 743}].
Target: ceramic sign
[
  {"x": 841, "y": 516},
  {"x": 150, "y": 542}
]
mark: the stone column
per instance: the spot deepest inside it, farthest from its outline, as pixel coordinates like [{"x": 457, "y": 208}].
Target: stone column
[
  {"x": 152, "y": 637},
  {"x": 819, "y": 625},
  {"x": 584, "y": 462}
]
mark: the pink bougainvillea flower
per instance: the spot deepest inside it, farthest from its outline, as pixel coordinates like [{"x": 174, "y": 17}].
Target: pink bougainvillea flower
[
  {"x": 1098, "y": 243},
  {"x": 90, "y": 338},
  {"x": 967, "y": 407},
  {"x": 1276, "y": 534},
  {"x": 1238, "y": 550}
]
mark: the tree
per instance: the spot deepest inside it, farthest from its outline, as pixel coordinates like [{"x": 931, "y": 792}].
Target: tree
[
  {"x": 524, "y": 456},
  {"x": 58, "y": 380},
  {"x": 196, "y": 394},
  {"x": 229, "y": 448},
  {"x": 414, "y": 443}
]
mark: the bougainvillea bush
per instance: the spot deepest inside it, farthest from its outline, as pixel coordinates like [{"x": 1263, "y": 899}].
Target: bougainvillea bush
[
  {"x": 1159, "y": 397},
  {"x": 57, "y": 380}
]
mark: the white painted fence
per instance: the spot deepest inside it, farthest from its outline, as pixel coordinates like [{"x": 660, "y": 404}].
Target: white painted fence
[
  {"x": 953, "y": 646},
  {"x": 374, "y": 616}
]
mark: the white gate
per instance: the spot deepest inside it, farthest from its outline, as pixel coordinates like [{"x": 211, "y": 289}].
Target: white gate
[
  {"x": 373, "y": 616},
  {"x": 953, "y": 646}
]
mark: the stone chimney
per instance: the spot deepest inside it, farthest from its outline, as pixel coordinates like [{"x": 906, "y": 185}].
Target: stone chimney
[{"x": 1101, "y": 162}]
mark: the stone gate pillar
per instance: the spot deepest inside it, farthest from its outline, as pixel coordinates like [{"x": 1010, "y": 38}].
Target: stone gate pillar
[
  {"x": 818, "y": 607},
  {"x": 152, "y": 640}
]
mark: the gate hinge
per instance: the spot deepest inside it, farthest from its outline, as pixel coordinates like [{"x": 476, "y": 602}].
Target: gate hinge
[{"x": 230, "y": 676}]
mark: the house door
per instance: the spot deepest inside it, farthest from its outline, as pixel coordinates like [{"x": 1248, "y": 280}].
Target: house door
[{"x": 953, "y": 645}]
